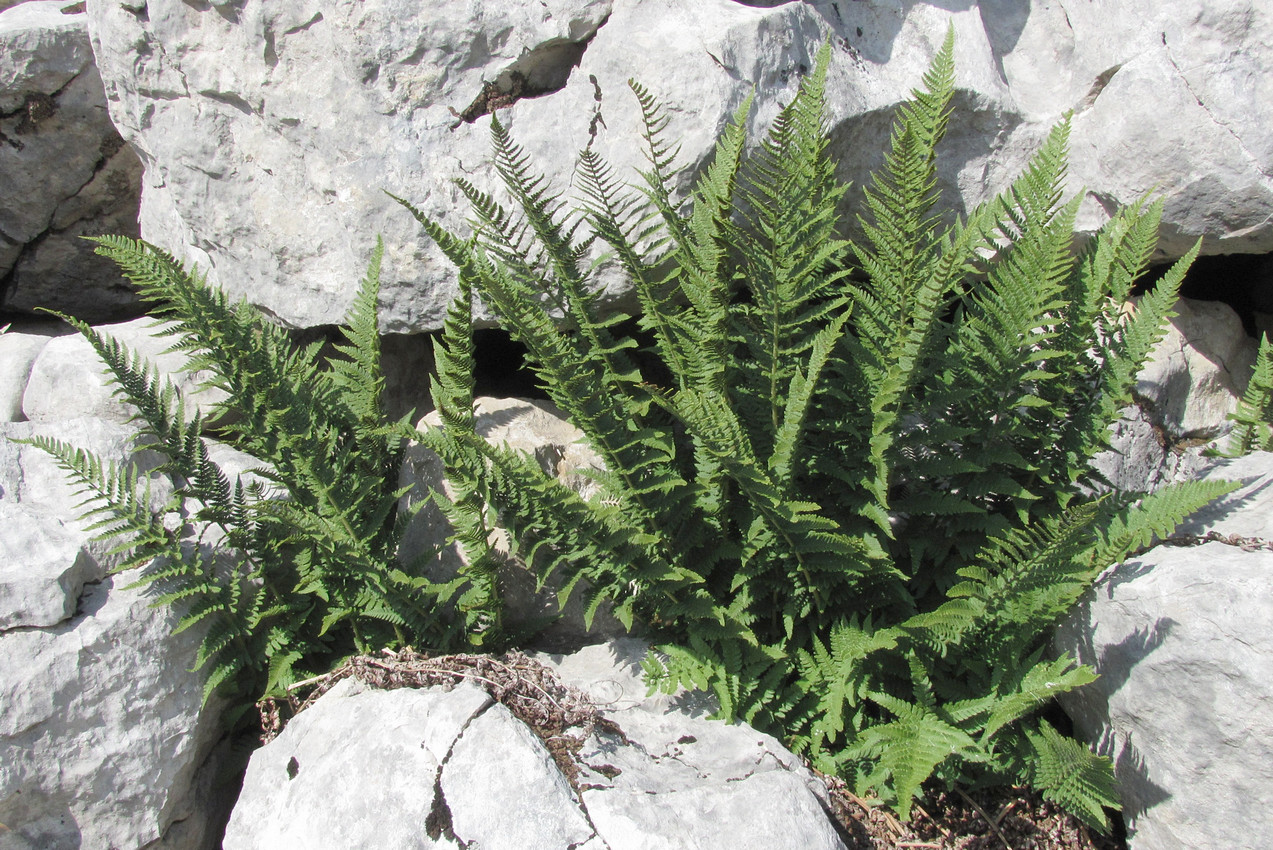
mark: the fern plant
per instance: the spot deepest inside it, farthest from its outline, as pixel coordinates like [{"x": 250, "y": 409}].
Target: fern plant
[
  {"x": 847, "y": 497},
  {"x": 299, "y": 567},
  {"x": 1253, "y": 420}
]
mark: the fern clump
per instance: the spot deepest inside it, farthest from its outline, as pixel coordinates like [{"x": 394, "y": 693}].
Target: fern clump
[
  {"x": 848, "y": 498},
  {"x": 299, "y": 566}
]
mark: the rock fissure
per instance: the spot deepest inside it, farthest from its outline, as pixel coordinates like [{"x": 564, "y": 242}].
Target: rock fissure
[
  {"x": 440, "y": 822},
  {"x": 1098, "y": 85},
  {"x": 35, "y": 109},
  {"x": 33, "y": 245},
  {"x": 318, "y": 17},
  {"x": 1251, "y": 157},
  {"x": 539, "y": 71}
]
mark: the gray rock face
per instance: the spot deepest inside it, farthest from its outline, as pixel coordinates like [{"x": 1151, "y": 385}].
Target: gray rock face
[
  {"x": 683, "y": 780},
  {"x": 1198, "y": 372},
  {"x": 269, "y": 130},
  {"x": 1193, "y": 380},
  {"x": 103, "y": 739},
  {"x": 18, "y": 350},
  {"x": 1246, "y": 512},
  {"x": 101, "y": 731},
  {"x": 449, "y": 769},
  {"x": 64, "y": 170},
  {"x": 43, "y": 568},
  {"x": 1180, "y": 637},
  {"x": 68, "y": 378}
]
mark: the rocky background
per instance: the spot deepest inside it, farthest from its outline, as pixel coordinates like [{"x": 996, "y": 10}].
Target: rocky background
[{"x": 258, "y": 138}]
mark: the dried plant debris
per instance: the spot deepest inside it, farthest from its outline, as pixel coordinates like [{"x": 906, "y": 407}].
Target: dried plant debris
[
  {"x": 564, "y": 717},
  {"x": 989, "y": 819}
]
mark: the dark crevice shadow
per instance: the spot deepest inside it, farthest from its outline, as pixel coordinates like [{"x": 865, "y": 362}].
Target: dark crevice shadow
[{"x": 539, "y": 71}]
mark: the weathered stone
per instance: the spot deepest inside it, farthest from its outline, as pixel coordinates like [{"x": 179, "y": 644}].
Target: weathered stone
[
  {"x": 43, "y": 567},
  {"x": 1180, "y": 638},
  {"x": 434, "y": 768},
  {"x": 357, "y": 769},
  {"x": 533, "y": 802},
  {"x": 684, "y": 780},
  {"x": 68, "y": 379},
  {"x": 104, "y": 741},
  {"x": 1246, "y": 512},
  {"x": 1139, "y": 457},
  {"x": 247, "y": 174},
  {"x": 31, "y": 477},
  {"x": 101, "y": 730},
  {"x": 1198, "y": 372},
  {"x": 18, "y": 350},
  {"x": 540, "y": 430},
  {"x": 64, "y": 170}
]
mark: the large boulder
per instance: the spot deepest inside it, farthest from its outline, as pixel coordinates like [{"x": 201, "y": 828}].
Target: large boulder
[
  {"x": 64, "y": 170},
  {"x": 448, "y": 768},
  {"x": 103, "y": 735},
  {"x": 1198, "y": 372},
  {"x": 269, "y": 130},
  {"x": 1180, "y": 638}
]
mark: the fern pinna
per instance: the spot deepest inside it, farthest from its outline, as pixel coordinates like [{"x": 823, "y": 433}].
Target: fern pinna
[
  {"x": 848, "y": 501},
  {"x": 298, "y": 567}
]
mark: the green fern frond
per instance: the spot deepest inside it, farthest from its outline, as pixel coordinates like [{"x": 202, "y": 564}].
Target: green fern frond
[
  {"x": 356, "y": 373},
  {"x": 1069, "y": 774},
  {"x": 1251, "y": 429}
]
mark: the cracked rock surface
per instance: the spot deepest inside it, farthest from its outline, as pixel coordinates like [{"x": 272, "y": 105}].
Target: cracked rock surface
[
  {"x": 101, "y": 730},
  {"x": 435, "y": 768},
  {"x": 1180, "y": 637},
  {"x": 104, "y": 741},
  {"x": 269, "y": 130},
  {"x": 64, "y": 170}
]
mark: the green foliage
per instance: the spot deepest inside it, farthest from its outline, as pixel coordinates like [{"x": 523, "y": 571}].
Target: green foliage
[
  {"x": 844, "y": 481},
  {"x": 297, "y": 566},
  {"x": 1252, "y": 431}
]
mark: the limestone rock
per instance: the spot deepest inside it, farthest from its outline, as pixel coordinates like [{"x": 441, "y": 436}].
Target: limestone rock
[
  {"x": 248, "y": 175},
  {"x": 101, "y": 731},
  {"x": 1180, "y": 638},
  {"x": 535, "y": 804},
  {"x": 1246, "y": 512},
  {"x": 31, "y": 478},
  {"x": 358, "y": 769},
  {"x": 43, "y": 567},
  {"x": 68, "y": 379},
  {"x": 103, "y": 738},
  {"x": 1192, "y": 381},
  {"x": 1197, "y": 374},
  {"x": 18, "y": 350},
  {"x": 64, "y": 170},
  {"x": 449, "y": 769},
  {"x": 539, "y": 429},
  {"x": 681, "y": 779}
]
